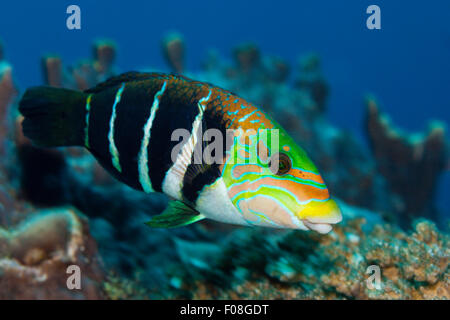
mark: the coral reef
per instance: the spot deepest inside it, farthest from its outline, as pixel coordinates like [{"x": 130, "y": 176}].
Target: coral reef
[
  {"x": 211, "y": 260},
  {"x": 410, "y": 163},
  {"x": 300, "y": 265},
  {"x": 35, "y": 255}
]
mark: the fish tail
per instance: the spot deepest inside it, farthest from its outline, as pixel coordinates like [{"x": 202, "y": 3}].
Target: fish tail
[{"x": 53, "y": 116}]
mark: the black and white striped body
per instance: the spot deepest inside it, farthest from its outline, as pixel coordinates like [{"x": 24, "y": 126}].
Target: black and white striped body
[
  {"x": 130, "y": 124},
  {"x": 129, "y": 128}
]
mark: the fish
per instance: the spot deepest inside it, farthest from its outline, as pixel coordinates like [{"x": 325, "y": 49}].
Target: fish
[{"x": 133, "y": 123}]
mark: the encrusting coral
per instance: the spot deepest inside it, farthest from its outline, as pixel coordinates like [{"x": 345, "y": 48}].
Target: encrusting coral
[
  {"x": 410, "y": 163},
  {"x": 301, "y": 265},
  {"x": 35, "y": 255}
]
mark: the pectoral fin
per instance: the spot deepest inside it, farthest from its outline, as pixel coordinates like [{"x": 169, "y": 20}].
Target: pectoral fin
[{"x": 177, "y": 214}]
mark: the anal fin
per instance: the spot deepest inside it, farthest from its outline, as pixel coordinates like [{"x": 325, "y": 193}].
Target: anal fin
[{"x": 177, "y": 214}]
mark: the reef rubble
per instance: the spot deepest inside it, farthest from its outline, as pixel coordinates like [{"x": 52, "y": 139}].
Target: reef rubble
[{"x": 300, "y": 265}]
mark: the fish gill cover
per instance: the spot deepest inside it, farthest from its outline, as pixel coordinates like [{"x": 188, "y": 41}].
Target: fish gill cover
[{"x": 60, "y": 208}]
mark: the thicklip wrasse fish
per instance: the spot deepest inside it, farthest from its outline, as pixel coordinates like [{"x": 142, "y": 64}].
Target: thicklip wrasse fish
[{"x": 128, "y": 123}]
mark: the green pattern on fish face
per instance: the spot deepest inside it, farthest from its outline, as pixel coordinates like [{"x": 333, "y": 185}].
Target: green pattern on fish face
[{"x": 260, "y": 192}]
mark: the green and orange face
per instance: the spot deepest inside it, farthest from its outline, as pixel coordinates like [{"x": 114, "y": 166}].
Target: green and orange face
[{"x": 272, "y": 182}]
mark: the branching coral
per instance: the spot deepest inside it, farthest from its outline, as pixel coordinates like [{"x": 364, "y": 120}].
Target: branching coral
[
  {"x": 411, "y": 163},
  {"x": 35, "y": 255}
]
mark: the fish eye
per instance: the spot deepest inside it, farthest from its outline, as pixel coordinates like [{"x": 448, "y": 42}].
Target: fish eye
[{"x": 284, "y": 164}]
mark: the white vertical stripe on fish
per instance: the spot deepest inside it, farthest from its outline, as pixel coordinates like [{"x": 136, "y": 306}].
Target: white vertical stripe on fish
[
  {"x": 143, "y": 170},
  {"x": 112, "y": 146},
  {"x": 173, "y": 181}
]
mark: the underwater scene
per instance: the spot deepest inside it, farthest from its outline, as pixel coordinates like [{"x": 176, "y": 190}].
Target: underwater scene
[{"x": 224, "y": 150}]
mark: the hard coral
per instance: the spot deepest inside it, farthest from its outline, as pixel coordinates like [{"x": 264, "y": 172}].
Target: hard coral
[
  {"x": 300, "y": 265},
  {"x": 35, "y": 255},
  {"x": 411, "y": 164},
  {"x": 173, "y": 48},
  {"x": 250, "y": 263},
  {"x": 85, "y": 74},
  {"x": 104, "y": 53}
]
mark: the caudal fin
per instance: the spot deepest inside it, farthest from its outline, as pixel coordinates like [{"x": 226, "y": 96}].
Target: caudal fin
[{"x": 53, "y": 116}]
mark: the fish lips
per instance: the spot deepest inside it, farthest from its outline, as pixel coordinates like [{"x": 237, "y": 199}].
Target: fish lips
[{"x": 323, "y": 224}]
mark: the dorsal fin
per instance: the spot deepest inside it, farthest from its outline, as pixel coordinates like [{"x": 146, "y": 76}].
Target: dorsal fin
[
  {"x": 180, "y": 76},
  {"x": 136, "y": 76},
  {"x": 124, "y": 77}
]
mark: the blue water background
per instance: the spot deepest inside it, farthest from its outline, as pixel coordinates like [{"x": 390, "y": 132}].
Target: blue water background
[{"x": 406, "y": 64}]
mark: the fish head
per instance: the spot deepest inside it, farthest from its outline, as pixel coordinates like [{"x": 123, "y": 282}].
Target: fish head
[{"x": 274, "y": 183}]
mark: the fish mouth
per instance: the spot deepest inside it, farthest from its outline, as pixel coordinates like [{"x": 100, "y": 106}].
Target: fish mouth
[
  {"x": 321, "y": 216},
  {"x": 322, "y": 228}
]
